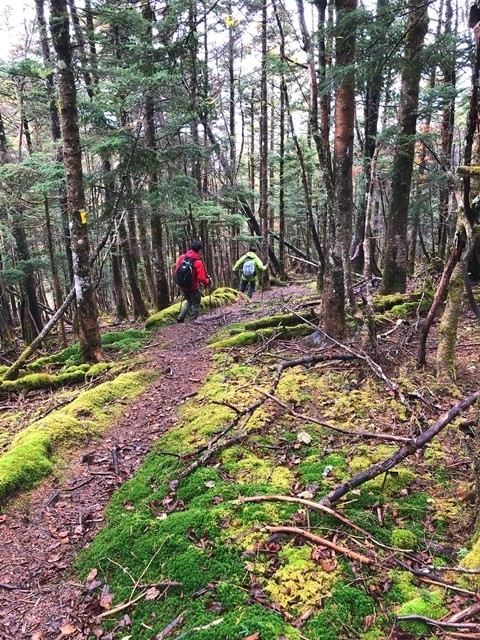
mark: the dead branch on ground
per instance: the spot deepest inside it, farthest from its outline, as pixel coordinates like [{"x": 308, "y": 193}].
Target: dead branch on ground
[
  {"x": 407, "y": 450},
  {"x": 323, "y": 541},
  {"x": 328, "y": 425}
]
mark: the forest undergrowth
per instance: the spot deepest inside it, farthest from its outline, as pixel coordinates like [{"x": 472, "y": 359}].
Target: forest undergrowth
[{"x": 231, "y": 528}]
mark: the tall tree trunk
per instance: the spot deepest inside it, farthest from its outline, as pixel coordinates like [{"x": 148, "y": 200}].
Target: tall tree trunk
[
  {"x": 87, "y": 312},
  {"x": 263, "y": 179},
  {"x": 340, "y": 219},
  {"x": 396, "y": 251},
  {"x": 30, "y": 310},
  {"x": 139, "y": 308},
  {"x": 447, "y": 131},
  {"x": 371, "y": 111},
  {"x": 54, "y": 119}
]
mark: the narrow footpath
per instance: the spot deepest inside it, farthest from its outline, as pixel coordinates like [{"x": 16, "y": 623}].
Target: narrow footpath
[{"x": 41, "y": 533}]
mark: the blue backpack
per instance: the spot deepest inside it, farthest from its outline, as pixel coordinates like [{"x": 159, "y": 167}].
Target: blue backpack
[{"x": 248, "y": 268}]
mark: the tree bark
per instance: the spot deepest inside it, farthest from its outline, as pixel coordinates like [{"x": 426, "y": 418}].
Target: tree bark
[
  {"x": 87, "y": 312},
  {"x": 396, "y": 250}
]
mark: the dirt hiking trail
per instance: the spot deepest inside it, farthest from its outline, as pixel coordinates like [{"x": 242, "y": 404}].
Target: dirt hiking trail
[{"x": 41, "y": 533}]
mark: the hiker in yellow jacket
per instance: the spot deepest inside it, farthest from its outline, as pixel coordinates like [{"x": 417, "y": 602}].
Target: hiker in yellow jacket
[{"x": 249, "y": 266}]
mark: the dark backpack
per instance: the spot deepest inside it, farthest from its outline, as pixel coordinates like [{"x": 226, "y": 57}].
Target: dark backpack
[
  {"x": 248, "y": 268},
  {"x": 184, "y": 273}
]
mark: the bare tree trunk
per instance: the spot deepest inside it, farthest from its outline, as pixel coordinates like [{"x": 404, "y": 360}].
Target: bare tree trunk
[
  {"x": 263, "y": 205},
  {"x": 339, "y": 220},
  {"x": 89, "y": 331},
  {"x": 396, "y": 253}
]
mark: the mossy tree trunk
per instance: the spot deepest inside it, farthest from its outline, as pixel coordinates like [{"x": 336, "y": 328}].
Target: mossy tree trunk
[{"x": 448, "y": 326}]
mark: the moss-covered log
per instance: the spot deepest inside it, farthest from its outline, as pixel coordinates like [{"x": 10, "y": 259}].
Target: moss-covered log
[
  {"x": 29, "y": 458},
  {"x": 218, "y": 298},
  {"x": 279, "y": 320},
  {"x": 251, "y": 337}
]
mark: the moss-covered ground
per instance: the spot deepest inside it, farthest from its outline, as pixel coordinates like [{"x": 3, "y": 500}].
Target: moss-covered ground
[{"x": 189, "y": 545}]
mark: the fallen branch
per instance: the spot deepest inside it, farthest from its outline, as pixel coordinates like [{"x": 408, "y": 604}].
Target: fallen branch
[
  {"x": 307, "y": 503},
  {"x": 328, "y": 425},
  {"x": 296, "y": 531},
  {"x": 122, "y": 607},
  {"x": 408, "y": 450},
  {"x": 129, "y": 603},
  {"x": 466, "y": 613},
  {"x": 202, "y": 628},
  {"x": 170, "y": 627},
  {"x": 214, "y": 450}
]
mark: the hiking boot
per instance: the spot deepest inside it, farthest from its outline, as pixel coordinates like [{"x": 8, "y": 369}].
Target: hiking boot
[{"x": 180, "y": 319}]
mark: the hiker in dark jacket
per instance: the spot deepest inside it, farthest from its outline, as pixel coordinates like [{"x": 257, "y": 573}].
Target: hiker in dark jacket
[
  {"x": 249, "y": 266},
  {"x": 191, "y": 288}
]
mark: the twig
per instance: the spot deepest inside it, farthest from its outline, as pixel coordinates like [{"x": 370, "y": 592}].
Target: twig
[
  {"x": 170, "y": 627},
  {"x": 115, "y": 460},
  {"x": 122, "y": 607},
  {"x": 323, "y": 541},
  {"x": 328, "y": 425},
  {"x": 77, "y": 486},
  {"x": 465, "y": 613},
  {"x": 307, "y": 503},
  {"x": 213, "y": 450},
  {"x": 205, "y": 626}
]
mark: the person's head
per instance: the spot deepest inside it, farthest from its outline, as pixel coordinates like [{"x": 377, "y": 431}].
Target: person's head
[
  {"x": 252, "y": 248},
  {"x": 196, "y": 246}
]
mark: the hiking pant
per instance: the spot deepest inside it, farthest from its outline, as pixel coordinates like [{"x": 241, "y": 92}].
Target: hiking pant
[
  {"x": 191, "y": 303},
  {"x": 248, "y": 285}
]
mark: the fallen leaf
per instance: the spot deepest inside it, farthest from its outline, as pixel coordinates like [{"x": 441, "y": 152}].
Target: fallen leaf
[
  {"x": 255, "y": 636},
  {"x": 92, "y": 574},
  {"x": 68, "y": 629},
  {"x": 152, "y": 594},
  {"x": 106, "y": 598},
  {"x": 37, "y": 636}
]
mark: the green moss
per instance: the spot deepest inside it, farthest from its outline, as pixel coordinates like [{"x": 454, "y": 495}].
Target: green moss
[
  {"x": 346, "y": 609},
  {"x": 403, "y": 539},
  {"x": 299, "y": 582},
  {"x": 239, "y": 340},
  {"x": 472, "y": 559},
  {"x": 30, "y": 382},
  {"x": 402, "y": 587},
  {"x": 28, "y": 459},
  {"x": 429, "y": 605},
  {"x": 279, "y": 320},
  {"x": 26, "y": 464}
]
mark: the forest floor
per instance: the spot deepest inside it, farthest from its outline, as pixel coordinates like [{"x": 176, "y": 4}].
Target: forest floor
[{"x": 42, "y": 532}]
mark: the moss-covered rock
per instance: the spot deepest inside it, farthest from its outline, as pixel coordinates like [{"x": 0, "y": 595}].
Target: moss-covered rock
[{"x": 251, "y": 337}]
